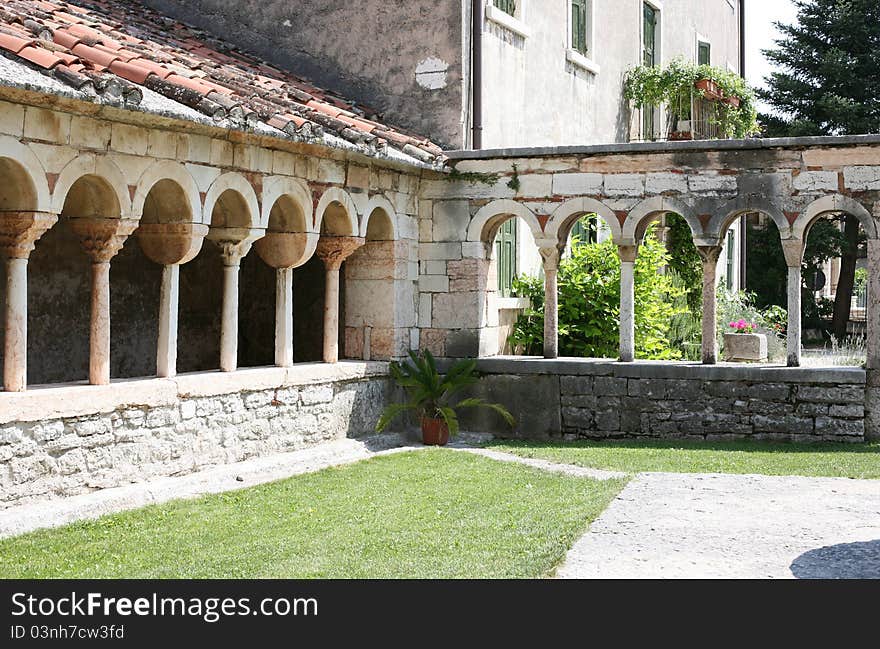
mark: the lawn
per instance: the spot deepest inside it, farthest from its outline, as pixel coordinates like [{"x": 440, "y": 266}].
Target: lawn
[
  {"x": 427, "y": 514},
  {"x": 633, "y": 456}
]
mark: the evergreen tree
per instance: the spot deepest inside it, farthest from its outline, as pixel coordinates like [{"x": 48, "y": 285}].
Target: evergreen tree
[{"x": 829, "y": 84}]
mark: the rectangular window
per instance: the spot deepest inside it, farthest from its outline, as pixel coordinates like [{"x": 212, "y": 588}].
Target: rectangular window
[
  {"x": 586, "y": 229},
  {"x": 731, "y": 258},
  {"x": 704, "y": 53},
  {"x": 507, "y": 6},
  {"x": 649, "y": 58},
  {"x": 506, "y": 257},
  {"x": 581, "y": 26}
]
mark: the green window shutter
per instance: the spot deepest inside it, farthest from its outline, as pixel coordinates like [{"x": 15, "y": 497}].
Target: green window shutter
[
  {"x": 704, "y": 54},
  {"x": 505, "y": 256},
  {"x": 507, "y": 6},
  {"x": 579, "y": 25},
  {"x": 586, "y": 229},
  {"x": 731, "y": 258},
  {"x": 649, "y": 58}
]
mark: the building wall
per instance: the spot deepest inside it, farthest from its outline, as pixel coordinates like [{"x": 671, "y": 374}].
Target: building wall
[
  {"x": 534, "y": 96},
  {"x": 401, "y": 59}
]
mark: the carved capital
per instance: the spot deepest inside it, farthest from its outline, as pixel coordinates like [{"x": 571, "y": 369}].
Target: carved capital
[
  {"x": 793, "y": 249},
  {"x": 171, "y": 243},
  {"x": 709, "y": 254},
  {"x": 628, "y": 253},
  {"x": 335, "y": 250},
  {"x": 234, "y": 243},
  {"x": 102, "y": 238},
  {"x": 550, "y": 258},
  {"x": 20, "y": 230}
]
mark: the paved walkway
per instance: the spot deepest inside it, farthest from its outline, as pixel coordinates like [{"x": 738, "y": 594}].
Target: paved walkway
[{"x": 666, "y": 525}]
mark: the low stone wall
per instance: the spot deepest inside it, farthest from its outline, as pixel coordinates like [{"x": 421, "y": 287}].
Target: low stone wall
[
  {"x": 63, "y": 441},
  {"x": 573, "y": 398}
]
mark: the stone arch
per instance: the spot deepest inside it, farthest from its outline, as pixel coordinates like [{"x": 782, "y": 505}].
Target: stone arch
[
  {"x": 102, "y": 173},
  {"x": 22, "y": 159},
  {"x": 381, "y": 204},
  {"x": 238, "y": 184},
  {"x": 641, "y": 216},
  {"x": 485, "y": 223},
  {"x": 728, "y": 212},
  {"x": 168, "y": 171},
  {"x": 564, "y": 217},
  {"x": 833, "y": 203},
  {"x": 277, "y": 188},
  {"x": 340, "y": 221}
]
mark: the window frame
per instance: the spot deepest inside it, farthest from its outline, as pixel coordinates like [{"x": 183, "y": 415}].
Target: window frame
[
  {"x": 515, "y": 23},
  {"x": 585, "y": 61},
  {"x": 701, "y": 42},
  {"x": 655, "y": 116}
]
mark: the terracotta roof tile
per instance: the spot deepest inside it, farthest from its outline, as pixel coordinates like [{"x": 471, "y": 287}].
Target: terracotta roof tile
[{"x": 111, "y": 45}]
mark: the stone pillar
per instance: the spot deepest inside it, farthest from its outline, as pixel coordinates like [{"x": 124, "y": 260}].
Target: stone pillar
[
  {"x": 234, "y": 243},
  {"x": 872, "y": 314},
  {"x": 170, "y": 244},
  {"x": 627, "y": 302},
  {"x": 285, "y": 251},
  {"x": 550, "y": 257},
  {"x": 793, "y": 333},
  {"x": 284, "y": 317},
  {"x": 166, "y": 356},
  {"x": 18, "y": 233},
  {"x": 101, "y": 238},
  {"x": 333, "y": 251},
  {"x": 709, "y": 256}
]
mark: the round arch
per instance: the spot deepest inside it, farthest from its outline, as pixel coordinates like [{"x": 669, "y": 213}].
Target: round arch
[
  {"x": 833, "y": 203},
  {"x": 240, "y": 185},
  {"x": 275, "y": 187},
  {"x": 378, "y": 202},
  {"x": 100, "y": 167},
  {"x": 336, "y": 195},
  {"x": 175, "y": 172},
  {"x": 489, "y": 217},
  {"x": 732, "y": 210},
  {"x": 24, "y": 157},
  {"x": 644, "y": 213},
  {"x": 563, "y": 218}
]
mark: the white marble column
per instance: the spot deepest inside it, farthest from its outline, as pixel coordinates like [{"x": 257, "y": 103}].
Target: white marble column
[
  {"x": 18, "y": 233},
  {"x": 102, "y": 239},
  {"x": 333, "y": 251},
  {"x": 627, "y": 302},
  {"x": 550, "y": 258},
  {"x": 229, "y": 318},
  {"x": 709, "y": 256},
  {"x": 872, "y": 313},
  {"x": 794, "y": 316},
  {"x": 284, "y": 317},
  {"x": 166, "y": 357}
]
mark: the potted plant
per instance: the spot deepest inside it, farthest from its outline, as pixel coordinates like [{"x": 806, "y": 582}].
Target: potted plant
[
  {"x": 430, "y": 394},
  {"x": 744, "y": 344},
  {"x": 708, "y": 87}
]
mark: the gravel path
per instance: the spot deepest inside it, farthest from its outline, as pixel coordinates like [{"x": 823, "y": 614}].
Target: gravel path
[{"x": 665, "y": 525}]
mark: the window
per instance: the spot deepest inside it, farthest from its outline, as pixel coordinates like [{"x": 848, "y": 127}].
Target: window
[
  {"x": 586, "y": 229},
  {"x": 704, "y": 53},
  {"x": 650, "y": 51},
  {"x": 581, "y": 28},
  {"x": 506, "y": 256},
  {"x": 507, "y": 6}
]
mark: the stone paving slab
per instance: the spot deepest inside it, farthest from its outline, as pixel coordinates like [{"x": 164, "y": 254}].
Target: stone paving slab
[
  {"x": 544, "y": 465},
  {"x": 666, "y": 525}
]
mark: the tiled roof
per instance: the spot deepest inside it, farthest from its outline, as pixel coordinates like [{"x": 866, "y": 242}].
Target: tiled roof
[{"x": 111, "y": 49}]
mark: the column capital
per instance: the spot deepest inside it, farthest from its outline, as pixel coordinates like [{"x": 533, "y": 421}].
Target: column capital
[
  {"x": 20, "y": 230},
  {"x": 234, "y": 243},
  {"x": 793, "y": 249},
  {"x": 628, "y": 253},
  {"x": 550, "y": 257},
  {"x": 169, "y": 244},
  {"x": 286, "y": 249},
  {"x": 101, "y": 237},
  {"x": 709, "y": 254},
  {"x": 335, "y": 250}
]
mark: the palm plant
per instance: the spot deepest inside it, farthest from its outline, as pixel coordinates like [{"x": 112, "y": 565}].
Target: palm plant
[{"x": 430, "y": 392}]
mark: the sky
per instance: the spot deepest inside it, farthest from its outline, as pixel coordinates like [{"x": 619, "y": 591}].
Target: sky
[{"x": 760, "y": 34}]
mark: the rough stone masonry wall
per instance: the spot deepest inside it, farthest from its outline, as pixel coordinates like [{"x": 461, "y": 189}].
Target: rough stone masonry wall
[
  {"x": 98, "y": 437},
  {"x": 573, "y": 399}
]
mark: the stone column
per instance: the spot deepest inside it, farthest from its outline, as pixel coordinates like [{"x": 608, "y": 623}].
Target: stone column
[
  {"x": 873, "y": 306},
  {"x": 166, "y": 355},
  {"x": 627, "y": 302},
  {"x": 101, "y": 238},
  {"x": 170, "y": 244},
  {"x": 285, "y": 251},
  {"x": 333, "y": 251},
  {"x": 18, "y": 233},
  {"x": 793, "y": 249},
  {"x": 550, "y": 257},
  {"x": 709, "y": 256}
]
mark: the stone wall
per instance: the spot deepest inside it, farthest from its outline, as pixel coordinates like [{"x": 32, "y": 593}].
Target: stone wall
[
  {"x": 64, "y": 441},
  {"x": 573, "y": 399}
]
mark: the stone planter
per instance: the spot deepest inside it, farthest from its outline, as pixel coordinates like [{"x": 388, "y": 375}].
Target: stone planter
[{"x": 748, "y": 348}]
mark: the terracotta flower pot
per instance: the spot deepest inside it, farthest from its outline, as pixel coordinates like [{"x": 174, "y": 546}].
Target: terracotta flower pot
[
  {"x": 435, "y": 432},
  {"x": 733, "y": 101},
  {"x": 710, "y": 88}
]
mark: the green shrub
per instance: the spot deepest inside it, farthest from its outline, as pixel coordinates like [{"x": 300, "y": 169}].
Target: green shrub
[{"x": 589, "y": 304}]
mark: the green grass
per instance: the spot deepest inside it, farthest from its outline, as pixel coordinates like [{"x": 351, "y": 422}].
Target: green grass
[
  {"x": 427, "y": 514},
  {"x": 633, "y": 456}
]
